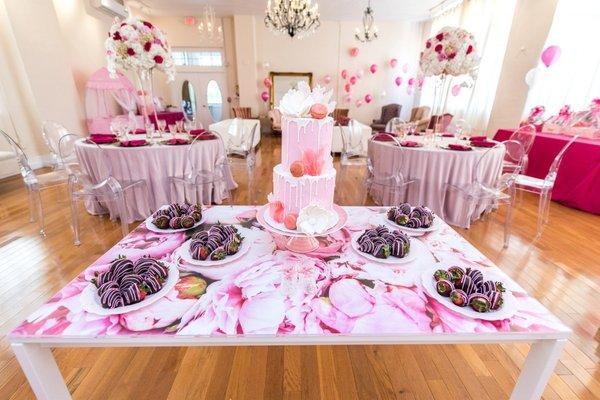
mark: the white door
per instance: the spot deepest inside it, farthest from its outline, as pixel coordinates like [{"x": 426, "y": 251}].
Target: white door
[{"x": 202, "y": 96}]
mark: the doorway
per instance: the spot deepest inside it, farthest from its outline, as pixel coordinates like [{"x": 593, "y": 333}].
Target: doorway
[{"x": 202, "y": 96}]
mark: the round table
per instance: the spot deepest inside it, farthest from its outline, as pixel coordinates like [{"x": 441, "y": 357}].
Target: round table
[
  {"x": 154, "y": 164},
  {"x": 434, "y": 167}
]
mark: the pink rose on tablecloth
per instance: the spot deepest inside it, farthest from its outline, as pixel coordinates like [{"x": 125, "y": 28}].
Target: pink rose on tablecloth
[
  {"x": 142, "y": 242},
  {"x": 350, "y": 297}
]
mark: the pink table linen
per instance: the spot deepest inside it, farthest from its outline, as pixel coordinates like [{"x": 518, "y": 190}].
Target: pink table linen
[
  {"x": 170, "y": 117},
  {"x": 154, "y": 164},
  {"x": 274, "y": 292},
  {"x": 434, "y": 167},
  {"x": 578, "y": 181}
]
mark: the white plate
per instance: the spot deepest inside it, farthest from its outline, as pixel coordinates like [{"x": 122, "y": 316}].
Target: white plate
[
  {"x": 90, "y": 301},
  {"x": 151, "y": 227},
  {"x": 507, "y": 310},
  {"x": 184, "y": 252},
  {"x": 413, "y": 231},
  {"x": 411, "y": 256},
  {"x": 281, "y": 227}
]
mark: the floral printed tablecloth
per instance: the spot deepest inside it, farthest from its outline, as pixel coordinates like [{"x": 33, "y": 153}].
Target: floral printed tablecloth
[{"x": 273, "y": 291}]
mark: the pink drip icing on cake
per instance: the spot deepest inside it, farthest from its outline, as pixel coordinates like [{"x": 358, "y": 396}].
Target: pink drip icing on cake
[{"x": 299, "y": 136}]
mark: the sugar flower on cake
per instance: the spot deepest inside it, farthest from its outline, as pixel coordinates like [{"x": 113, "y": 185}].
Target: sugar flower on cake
[
  {"x": 140, "y": 46},
  {"x": 297, "y": 102},
  {"x": 314, "y": 219},
  {"x": 452, "y": 51}
]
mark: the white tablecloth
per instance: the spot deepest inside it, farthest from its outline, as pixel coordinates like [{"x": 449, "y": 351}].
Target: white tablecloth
[
  {"x": 435, "y": 167},
  {"x": 154, "y": 164}
]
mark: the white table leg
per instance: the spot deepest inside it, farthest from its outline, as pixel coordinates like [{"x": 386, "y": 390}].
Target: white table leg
[
  {"x": 538, "y": 367},
  {"x": 41, "y": 370}
]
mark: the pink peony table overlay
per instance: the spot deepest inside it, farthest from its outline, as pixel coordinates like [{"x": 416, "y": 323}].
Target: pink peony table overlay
[
  {"x": 154, "y": 164},
  {"x": 577, "y": 184},
  {"x": 434, "y": 167},
  {"x": 275, "y": 297}
]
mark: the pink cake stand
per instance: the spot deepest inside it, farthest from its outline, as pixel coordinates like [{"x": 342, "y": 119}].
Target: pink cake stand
[{"x": 300, "y": 242}]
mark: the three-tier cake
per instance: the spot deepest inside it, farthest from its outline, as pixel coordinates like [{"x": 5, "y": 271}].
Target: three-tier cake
[{"x": 304, "y": 182}]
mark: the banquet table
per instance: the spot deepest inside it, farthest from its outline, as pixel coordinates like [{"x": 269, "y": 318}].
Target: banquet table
[
  {"x": 170, "y": 117},
  {"x": 154, "y": 164},
  {"x": 272, "y": 296},
  {"x": 434, "y": 167},
  {"x": 577, "y": 184}
]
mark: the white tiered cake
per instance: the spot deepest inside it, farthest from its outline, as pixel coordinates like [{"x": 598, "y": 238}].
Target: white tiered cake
[{"x": 304, "y": 182}]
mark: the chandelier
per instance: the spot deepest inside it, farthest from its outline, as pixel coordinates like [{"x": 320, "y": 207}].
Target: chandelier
[
  {"x": 297, "y": 18},
  {"x": 369, "y": 29},
  {"x": 208, "y": 26}
]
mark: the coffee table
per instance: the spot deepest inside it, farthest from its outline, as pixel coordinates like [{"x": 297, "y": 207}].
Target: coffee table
[{"x": 332, "y": 296}]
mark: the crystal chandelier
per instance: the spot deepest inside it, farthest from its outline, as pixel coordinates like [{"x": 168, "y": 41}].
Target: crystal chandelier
[
  {"x": 369, "y": 30},
  {"x": 208, "y": 26},
  {"x": 297, "y": 18}
]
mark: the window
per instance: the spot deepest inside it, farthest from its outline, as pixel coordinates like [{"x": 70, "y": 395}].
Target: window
[{"x": 197, "y": 58}]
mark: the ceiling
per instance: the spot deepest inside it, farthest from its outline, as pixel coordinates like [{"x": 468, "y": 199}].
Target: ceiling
[{"x": 329, "y": 9}]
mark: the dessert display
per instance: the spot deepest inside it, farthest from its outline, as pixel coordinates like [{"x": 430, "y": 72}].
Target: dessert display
[
  {"x": 411, "y": 217},
  {"x": 177, "y": 216},
  {"x": 304, "y": 181},
  {"x": 382, "y": 242},
  {"x": 467, "y": 287},
  {"x": 215, "y": 243},
  {"x": 127, "y": 282}
]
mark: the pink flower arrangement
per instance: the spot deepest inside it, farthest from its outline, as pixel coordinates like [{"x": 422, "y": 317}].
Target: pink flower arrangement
[
  {"x": 452, "y": 51},
  {"x": 138, "y": 45}
]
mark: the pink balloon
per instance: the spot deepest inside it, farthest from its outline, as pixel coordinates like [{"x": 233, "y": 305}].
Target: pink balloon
[
  {"x": 405, "y": 68},
  {"x": 393, "y": 63},
  {"x": 353, "y": 80},
  {"x": 327, "y": 79},
  {"x": 344, "y": 74},
  {"x": 368, "y": 98},
  {"x": 398, "y": 80},
  {"x": 267, "y": 82},
  {"x": 359, "y": 103},
  {"x": 456, "y": 90},
  {"x": 354, "y": 51},
  {"x": 550, "y": 55},
  {"x": 264, "y": 96},
  {"x": 411, "y": 81},
  {"x": 347, "y": 88},
  {"x": 360, "y": 73},
  {"x": 373, "y": 68}
]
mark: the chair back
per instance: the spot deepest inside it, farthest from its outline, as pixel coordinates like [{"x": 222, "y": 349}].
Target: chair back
[
  {"x": 515, "y": 154},
  {"x": 526, "y": 135},
  {"x": 385, "y": 179},
  {"x": 418, "y": 113},
  {"x": 27, "y": 172},
  {"x": 198, "y": 175},
  {"x": 394, "y": 124},
  {"x": 553, "y": 171},
  {"x": 390, "y": 111},
  {"x": 66, "y": 153},
  {"x": 480, "y": 171},
  {"x": 241, "y": 139},
  {"x": 352, "y": 141},
  {"x": 242, "y": 112},
  {"x": 52, "y": 132}
]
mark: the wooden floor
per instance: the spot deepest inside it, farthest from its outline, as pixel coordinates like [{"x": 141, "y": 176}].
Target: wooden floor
[{"x": 562, "y": 270}]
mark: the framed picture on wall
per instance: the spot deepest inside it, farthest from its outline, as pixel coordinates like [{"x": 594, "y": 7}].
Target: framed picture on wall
[{"x": 284, "y": 81}]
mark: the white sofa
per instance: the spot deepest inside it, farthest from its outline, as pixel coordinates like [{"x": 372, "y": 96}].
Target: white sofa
[
  {"x": 222, "y": 128},
  {"x": 336, "y": 145}
]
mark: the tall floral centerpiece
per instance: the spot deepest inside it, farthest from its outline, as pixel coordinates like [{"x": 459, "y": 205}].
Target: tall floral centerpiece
[
  {"x": 451, "y": 52},
  {"x": 141, "y": 47}
]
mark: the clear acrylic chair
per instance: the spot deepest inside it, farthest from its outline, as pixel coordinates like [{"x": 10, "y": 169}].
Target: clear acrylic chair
[
  {"x": 543, "y": 187},
  {"x": 393, "y": 186},
  {"x": 34, "y": 182},
  {"x": 52, "y": 132},
  {"x": 525, "y": 135},
  {"x": 459, "y": 128},
  {"x": 394, "y": 125},
  {"x": 353, "y": 146},
  {"x": 104, "y": 187},
  {"x": 198, "y": 184},
  {"x": 477, "y": 192}
]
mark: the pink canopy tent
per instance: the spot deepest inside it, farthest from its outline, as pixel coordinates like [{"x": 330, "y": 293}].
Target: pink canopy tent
[{"x": 107, "y": 98}]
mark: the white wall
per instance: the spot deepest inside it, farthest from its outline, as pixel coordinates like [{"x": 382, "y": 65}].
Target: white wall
[{"x": 327, "y": 52}]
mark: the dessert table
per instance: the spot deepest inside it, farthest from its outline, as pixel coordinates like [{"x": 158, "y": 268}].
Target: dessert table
[
  {"x": 434, "y": 167},
  {"x": 577, "y": 184},
  {"x": 271, "y": 296},
  {"x": 154, "y": 164}
]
